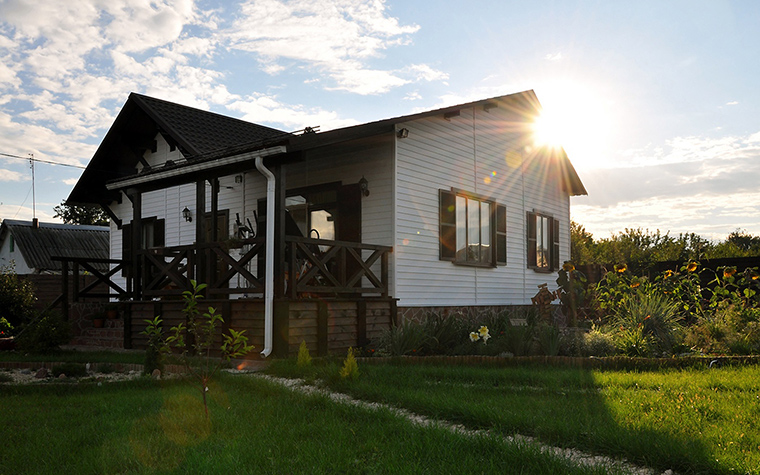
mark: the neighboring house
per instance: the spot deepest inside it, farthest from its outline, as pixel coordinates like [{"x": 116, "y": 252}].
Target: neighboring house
[
  {"x": 30, "y": 245},
  {"x": 453, "y": 208}
]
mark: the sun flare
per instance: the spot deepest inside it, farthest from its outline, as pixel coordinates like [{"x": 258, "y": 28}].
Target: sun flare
[{"x": 576, "y": 118}]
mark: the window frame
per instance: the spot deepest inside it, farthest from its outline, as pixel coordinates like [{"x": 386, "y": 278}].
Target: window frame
[
  {"x": 451, "y": 227},
  {"x": 551, "y": 234}
]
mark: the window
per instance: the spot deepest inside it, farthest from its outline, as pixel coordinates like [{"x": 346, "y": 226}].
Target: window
[
  {"x": 473, "y": 229},
  {"x": 543, "y": 242}
]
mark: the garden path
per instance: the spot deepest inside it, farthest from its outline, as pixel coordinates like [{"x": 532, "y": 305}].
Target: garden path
[{"x": 576, "y": 456}]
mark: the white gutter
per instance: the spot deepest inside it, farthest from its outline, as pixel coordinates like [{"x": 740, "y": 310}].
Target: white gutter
[
  {"x": 269, "y": 262},
  {"x": 182, "y": 170}
]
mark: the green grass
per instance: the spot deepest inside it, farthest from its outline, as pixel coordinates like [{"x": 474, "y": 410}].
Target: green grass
[
  {"x": 692, "y": 421},
  {"x": 255, "y": 426}
]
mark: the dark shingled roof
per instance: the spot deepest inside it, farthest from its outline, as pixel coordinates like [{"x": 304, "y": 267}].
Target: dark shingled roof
[
  {"x": 52, "y": 239},
  {"x": 198, "y": 131},
  {"x": 195, "y": 132}
]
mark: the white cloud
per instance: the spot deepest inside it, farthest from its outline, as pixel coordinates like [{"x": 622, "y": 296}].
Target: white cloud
[
  {"x": 263, "y": 109},
  {"x": 732, "y": 103},
  {"x": 338, "y": 37},
  {"x": 10, "y": 175},
  {"x": 553, "y": 56}
]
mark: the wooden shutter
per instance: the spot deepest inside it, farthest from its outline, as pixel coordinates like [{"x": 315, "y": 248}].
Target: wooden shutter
[
  {"x": 159, "y": 233},
  {"x": 447, "y": 225},
  {"x": 531, "y": 228},
  {"x": 349, "y": 219},
  {"x": 555, "y": 246},
  {"x": 501, "y": 235}
]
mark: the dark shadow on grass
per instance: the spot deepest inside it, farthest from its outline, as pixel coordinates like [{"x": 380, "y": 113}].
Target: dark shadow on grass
[{"x": 560, "y": 406}]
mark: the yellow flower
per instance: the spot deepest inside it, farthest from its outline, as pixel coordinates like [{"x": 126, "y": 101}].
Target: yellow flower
[
  {"x": 474, "y": 336},
  {"x": 729, "y": 272},
  {"x": 635, "y": 284},
  {"x": 667, "y": 273},
  {"x": 620, "y": 268},
  {"x": 692, "y": 266},
  {"x": 568, "y": 267},
  {"x": 483, "y": 330}
]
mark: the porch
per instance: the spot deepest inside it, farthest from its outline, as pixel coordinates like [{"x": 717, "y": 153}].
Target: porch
[{"x": 331, "y": 294}]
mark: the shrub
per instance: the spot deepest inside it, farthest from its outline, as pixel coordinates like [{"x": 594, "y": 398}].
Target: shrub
[
  {"x": 195, "y": 340},
  {"x": 634, "y": 342},
  {"x": 654, "y": 317},
  {"x": 730, "y": 329},
  {"x": 443, "y": 333},
  {"x": 406, "y": 339},
  {"x": 304, "y": 358},
  {"x": 44, "y": 334},
  {"x": 6, "y": 329},
  {"x": 596, "y": 343},
  {"x": 16, "y": 297},
  {"x": 350, "y": 369},
  {"x": 548, "y": 339},
  {"x": 518, "y": 339}
]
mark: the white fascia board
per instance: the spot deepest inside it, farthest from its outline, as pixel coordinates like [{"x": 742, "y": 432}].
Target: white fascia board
[{"x": 210, "y": 165}]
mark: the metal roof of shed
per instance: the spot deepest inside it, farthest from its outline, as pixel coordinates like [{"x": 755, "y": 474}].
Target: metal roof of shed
[{"x": 39, "y": 245}]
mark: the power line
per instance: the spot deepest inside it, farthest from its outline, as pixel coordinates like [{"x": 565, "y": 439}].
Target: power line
[{"x": 41, "y": 161}]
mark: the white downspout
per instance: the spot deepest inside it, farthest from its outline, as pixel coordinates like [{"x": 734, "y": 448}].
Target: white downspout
[{"x": 269, "y": 262}]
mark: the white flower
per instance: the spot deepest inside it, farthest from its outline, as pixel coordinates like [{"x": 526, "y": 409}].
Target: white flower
[{"x": 474, "y": 336}]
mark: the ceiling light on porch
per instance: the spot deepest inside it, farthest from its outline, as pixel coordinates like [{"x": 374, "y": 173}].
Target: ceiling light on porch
[
  {"x": 402, "y": 133},
  {"x": 187, "y": 215}
]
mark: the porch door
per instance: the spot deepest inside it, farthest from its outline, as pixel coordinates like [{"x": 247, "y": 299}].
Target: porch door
[{"x": 332, "y": 211}]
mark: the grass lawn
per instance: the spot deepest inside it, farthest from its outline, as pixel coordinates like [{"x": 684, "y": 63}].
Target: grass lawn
[
  {"x": 147, "y": 426},
  {"x": 691, "y": 421}
]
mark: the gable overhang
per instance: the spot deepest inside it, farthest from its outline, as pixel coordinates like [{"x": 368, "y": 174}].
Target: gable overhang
[{"x": 194, "y": 170}]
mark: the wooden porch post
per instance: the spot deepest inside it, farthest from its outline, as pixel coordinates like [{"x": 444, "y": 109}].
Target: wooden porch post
[
  {"x": 200, "y": 236},
  {"x": 281, "y": 310},
  {"x": 136, "y": 245}
]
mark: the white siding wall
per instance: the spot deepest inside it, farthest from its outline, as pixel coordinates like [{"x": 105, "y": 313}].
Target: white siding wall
[
  {"x": 464, "y": 153},
  {"x": 8, "y": 257}
]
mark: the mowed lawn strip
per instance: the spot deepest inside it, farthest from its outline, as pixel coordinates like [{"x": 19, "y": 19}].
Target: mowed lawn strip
[
  {"x": 691, "y": 421},
  {"x": 255, "y": 426}
]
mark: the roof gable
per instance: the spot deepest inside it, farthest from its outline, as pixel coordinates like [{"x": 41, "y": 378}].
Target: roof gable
[{"x": 195, "y": 131}]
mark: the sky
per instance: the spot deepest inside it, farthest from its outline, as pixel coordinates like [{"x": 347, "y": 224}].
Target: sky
[{"x": 656, "y": 103}]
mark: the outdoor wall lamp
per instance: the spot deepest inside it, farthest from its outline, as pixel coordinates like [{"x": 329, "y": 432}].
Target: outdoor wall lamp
[
  {"x": 187, "y": 215},
  {"x": 364, "y": 186},
  {"x": 402, "y": 133}
]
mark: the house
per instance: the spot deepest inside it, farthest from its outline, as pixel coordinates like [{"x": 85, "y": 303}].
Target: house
[
  {"x": 30, "y": 246},
  {"x": 328, "y": 237}
]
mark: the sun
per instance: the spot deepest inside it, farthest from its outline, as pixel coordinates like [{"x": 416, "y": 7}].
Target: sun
[{"x": 578, "y": 118}]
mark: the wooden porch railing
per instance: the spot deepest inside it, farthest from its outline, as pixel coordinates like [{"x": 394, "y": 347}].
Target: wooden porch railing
[
  {"x": 101, "y": 277},
  {"x": 313, "y": 267}
]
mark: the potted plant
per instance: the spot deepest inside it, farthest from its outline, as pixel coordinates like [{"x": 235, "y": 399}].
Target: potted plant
[
  {"x": 112, "y": 310},
  {"x": 98, "y": 319}
]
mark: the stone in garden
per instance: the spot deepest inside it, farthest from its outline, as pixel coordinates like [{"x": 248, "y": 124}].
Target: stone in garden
[
  {"x": 62, "y": 376},
  {"x": 26, "y": 371},
  {"x": 156, "y": 374},
  {"x": 41, "y": 373}
]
